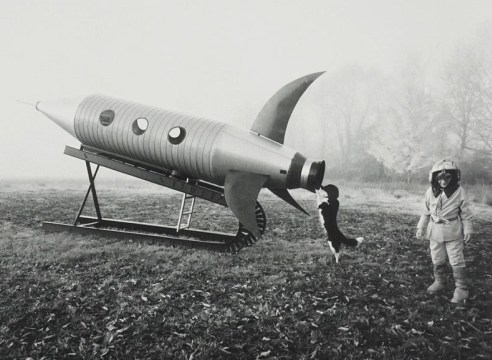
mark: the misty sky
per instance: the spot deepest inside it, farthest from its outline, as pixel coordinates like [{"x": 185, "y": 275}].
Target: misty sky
[{"x": 217, "y": 59}]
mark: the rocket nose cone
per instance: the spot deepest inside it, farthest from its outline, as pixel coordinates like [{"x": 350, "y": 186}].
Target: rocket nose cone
[{"x": 62, "y": 112}]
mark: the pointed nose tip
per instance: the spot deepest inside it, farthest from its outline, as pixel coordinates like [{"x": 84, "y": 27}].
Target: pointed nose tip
[{"x": 62, "y": 112}]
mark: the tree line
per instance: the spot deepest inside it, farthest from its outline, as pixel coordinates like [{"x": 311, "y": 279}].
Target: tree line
[{"x": 395, "y": 126}]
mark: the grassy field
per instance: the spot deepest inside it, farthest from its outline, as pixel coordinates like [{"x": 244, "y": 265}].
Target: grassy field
[{"x": 70, "y": 296}]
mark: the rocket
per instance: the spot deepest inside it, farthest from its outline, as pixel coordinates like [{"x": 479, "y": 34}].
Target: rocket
[{"x": 242, "y": 161}]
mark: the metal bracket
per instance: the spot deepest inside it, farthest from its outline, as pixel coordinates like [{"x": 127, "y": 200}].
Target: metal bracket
[{"x": 154, "y": 175}]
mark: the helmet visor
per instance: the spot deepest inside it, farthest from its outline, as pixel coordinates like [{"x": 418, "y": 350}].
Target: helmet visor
[{"x": 443, "y": 176}]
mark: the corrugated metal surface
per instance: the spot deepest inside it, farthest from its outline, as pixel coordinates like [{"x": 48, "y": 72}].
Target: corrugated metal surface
[{"x": 192, "y": 155}]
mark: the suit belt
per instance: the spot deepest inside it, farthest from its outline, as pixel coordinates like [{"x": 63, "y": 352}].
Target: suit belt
[{"x": 443, "y": 221}]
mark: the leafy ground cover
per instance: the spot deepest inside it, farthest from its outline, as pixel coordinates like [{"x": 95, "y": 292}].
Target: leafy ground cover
[{"x": 82, "y": 297}]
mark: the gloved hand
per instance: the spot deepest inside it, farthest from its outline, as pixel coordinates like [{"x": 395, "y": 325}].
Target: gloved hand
[{"x": 467, "y": 237}]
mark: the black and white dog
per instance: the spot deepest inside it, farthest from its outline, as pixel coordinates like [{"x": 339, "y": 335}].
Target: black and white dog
[{"x": 328, "y": 205}]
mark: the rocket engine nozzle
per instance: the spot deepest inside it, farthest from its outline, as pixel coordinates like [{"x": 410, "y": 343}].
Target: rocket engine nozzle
[
  {"x": 312, "y": 175},
  {"x": 305, "y": 173}
]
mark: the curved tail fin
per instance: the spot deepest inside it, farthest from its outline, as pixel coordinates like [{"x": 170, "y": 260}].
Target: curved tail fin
[{"x": 274, "y": 117}]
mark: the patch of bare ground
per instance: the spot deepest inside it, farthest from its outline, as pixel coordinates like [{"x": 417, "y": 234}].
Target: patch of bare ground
[{"x": 83, "y": 297}]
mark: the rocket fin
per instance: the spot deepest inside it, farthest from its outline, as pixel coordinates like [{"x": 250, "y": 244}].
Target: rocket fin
[
  {"x": 273, "y": 118},
  {"x": 241, "y": 190},
  {"x": 287, "y": 197}
]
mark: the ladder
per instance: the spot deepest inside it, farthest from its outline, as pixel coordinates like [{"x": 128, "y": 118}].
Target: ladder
[{"x": 188, "y": 200}]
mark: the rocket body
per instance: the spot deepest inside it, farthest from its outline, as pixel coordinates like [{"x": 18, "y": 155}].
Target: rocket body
[{"x": 208, "y": 149}]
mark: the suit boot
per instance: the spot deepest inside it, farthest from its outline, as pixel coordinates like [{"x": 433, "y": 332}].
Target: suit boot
[
  {"x": 439, "y": 279},
  {"x": 461, "y": 291}
]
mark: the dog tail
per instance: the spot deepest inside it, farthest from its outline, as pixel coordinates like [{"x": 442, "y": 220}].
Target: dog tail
[{"x": 353, "y": 242}]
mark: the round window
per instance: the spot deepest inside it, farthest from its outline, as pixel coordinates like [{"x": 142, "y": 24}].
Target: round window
[
  {"x": 139, "y": 126},
  {"x": 106, "y": 117},
  {"x": 176, "y": 135}
]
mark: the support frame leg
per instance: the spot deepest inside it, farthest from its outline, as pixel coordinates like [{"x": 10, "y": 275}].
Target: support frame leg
[{"x": 91, "y": 189}]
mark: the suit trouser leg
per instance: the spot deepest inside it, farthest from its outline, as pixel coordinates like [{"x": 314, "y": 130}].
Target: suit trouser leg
[
  {"x": 457, "y": 260},
  {"x": 439, "y": 256}
]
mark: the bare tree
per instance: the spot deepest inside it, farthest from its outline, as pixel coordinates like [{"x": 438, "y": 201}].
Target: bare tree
[
  {"x": 468, "y": 94},
  {"x": 409, "y": 134},
  {"x": 349, "y": 104},
  {"x": 484, "y": 71},
  {"x": 462, "y": 95}
]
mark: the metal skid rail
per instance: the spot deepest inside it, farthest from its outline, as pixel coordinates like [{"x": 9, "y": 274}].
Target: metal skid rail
[{"x": 167, "y": 235}]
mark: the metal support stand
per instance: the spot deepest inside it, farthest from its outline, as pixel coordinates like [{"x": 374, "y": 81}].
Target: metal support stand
[
  {"x": 180, "y": 235},
  {"x": 91, "y": 189}
]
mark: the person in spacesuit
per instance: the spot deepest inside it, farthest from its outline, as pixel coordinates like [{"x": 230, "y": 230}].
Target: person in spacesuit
[{"x": 446, "y": 221}]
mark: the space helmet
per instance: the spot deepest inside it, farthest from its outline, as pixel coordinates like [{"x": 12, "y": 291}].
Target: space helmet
[{"x": 445, "y": 165}]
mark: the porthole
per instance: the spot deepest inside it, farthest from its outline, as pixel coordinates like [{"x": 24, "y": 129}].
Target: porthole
[
  {"x": 176, "y": 135},
  {"x": 106, "y": 117},
  {"x": 140, "y": 125}
]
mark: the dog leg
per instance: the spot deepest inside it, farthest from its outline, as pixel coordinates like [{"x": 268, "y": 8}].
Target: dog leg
[{"x": 334, "y": 251}]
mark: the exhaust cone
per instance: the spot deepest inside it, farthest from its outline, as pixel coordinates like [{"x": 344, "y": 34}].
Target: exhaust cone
[{"x": 316, "y": 174}]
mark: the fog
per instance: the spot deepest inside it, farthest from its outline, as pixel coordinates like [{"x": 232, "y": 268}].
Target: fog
[{"x": 216, "y": 59}]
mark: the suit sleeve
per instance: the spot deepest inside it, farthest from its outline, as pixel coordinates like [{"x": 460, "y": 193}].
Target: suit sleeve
[
  {"x": 466, "y": 214},
  {"x": 425, "y": 213}
]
